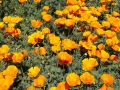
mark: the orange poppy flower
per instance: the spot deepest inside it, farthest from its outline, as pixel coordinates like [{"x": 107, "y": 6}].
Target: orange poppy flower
[
  {"x": 63, "y": 86},
  {"x": 6, "y": 82},
  {"x": 87, "y": 78},
  {"x": 22, "y": 1},
  {"x": 30, "y": 88},
  {"x": 16, "y": 33},
  {"x": 55, "y": 48},
  {"x": 33, "y": 71},
  {"x": 25, "y": 53},
  {"x": 89, "y": 64},
  {"x": 37, "y": 1},
  {"x": 72, "y": 2},
  {"x": 47, "y": 17},
  {"x": 86, "y": 33},
  {"x": 113, "y": 57},
  {"x": 11, "y": 71},
  {"x": 116, "y": 47},
  {"x": 100, "y": 32},
  {"x": 104, "y": 87},
  {"x": 55, "y": 40},
  {"x": 115, "y": 14},
  {"x": 69, "y": 44},
  {"x": 53, "y": 88},
  {"x": 58, "y": 12},
  {"x": 36, "y": 50},
  {"x": 105, "y": 24},
  {"x": 73, "y": 79},
  {"x": 46, "y": 8},
  {"x": 107, "y": 79},
  {"x": 10, "y": 30},
  {"x": 104, "y": 56},
  {"x": 32, "y": 40},
  {"x": 4, "y": 49},
  {"x": 2, "y": 25},
  {"x": 36, "y": 23},
  {"x": 69, "y": 23},
  {"x": 43, "y": 50},
  {"x": 65, "y": 12},
  {"x": 60, "y": 21},
  {"x": 46, "y": 30},
  {"x": 101, "y": 46},
  {"x": 64, "y": 58},
  {"x": 17, "y": 57},
  {"x": 39, "y": 81},
  {"x": 95, "y": 24},
  {"x": 43, "y": 13},
  {"x": 39, "y": 35},
  {"x": 110, "y": 34}
]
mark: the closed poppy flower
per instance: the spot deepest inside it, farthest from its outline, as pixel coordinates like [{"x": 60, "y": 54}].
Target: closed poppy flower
[
  {"x": 46, "y": 30},
  {"x": 37, "y": 1},
  {"x": 43, "y": 50},
  {"x": 107, "y": 79},
  {"x": 89, "y": 64},
  {"x": 64, "y": 58},
  {"x": 53, "y": 88},
  {"x": 101, "y": 46},
  {"x": 46, "y": 8},
  {"x": 73, "y": 79},
  {"x": 63, "y": 86},
  {"x": 87, "y": 78},
  {"x": 47, "y": 17},
  {"x": 68, "y": 44},
  {"x": 36, "y": 23},
  {"x": 33, "y": 71},
  {"x": 39, "y": 81},
  {"x": 22, "y": 1},
  {"x": 25, "y": 53},
  {"x": 30, "y": 88},
  {"x": 36, "y": 50},
  {"x": 17, "y": 57},
  {"x": 113, "y": 57}
]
